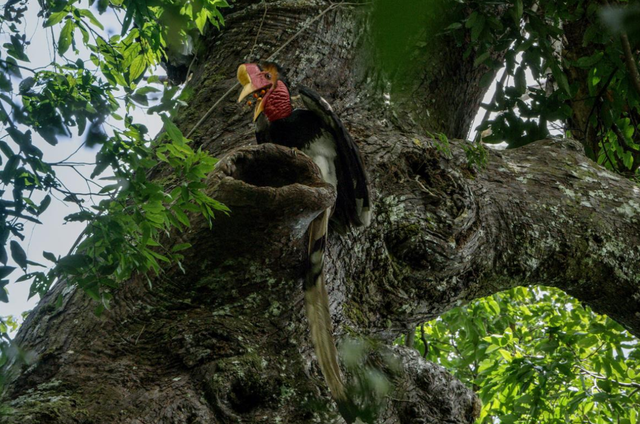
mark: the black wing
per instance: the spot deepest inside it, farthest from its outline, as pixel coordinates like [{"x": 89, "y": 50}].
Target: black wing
[
  {"x": 353, "y": 188},
  {"x": 262, "y": 130}
]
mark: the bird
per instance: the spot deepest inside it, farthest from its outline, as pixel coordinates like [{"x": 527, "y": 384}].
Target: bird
[{"x": 317, "y": 132}]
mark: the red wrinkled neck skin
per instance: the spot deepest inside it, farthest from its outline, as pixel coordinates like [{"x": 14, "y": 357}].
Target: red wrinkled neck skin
[{"x": 277, "y": 102}]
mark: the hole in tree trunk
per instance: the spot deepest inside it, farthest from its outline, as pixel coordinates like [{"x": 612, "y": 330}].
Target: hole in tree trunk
[{"x": 265, "y": 169}]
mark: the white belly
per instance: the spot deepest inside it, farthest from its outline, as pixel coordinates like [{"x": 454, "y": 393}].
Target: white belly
[{"x": 322, "y": 151}]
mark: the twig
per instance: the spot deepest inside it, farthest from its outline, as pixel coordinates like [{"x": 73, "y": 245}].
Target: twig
[
  {"x": 423, "y": 187},
  {"x": 398, "y": 400},
  {"x": 70, "y": 156},
  {"x": 140, "y": 334},
  {"x": 193, "y": 59},
  {"x": 599, "y": 377},
  {"x": 598, "y": 97},
  {"x": 424, "y": 341},
  {"x": 15, "y": 65},
  {"x": 206, "y": 115},
  {"x": 604, "y": 149},
  {"x": 630, "y": 62},
  {"x": 255, "y": 42}
]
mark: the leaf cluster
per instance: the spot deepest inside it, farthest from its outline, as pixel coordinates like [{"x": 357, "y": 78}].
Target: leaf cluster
[
  {"x": 9, "y": 350},
  {"x": 586, "y": 81},
  {"x": 537, "y": 355},
  {"x": 90, "y": 90}
]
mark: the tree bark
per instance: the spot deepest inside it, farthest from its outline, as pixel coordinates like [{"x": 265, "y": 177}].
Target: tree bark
[{"x": 226, "y": 341}]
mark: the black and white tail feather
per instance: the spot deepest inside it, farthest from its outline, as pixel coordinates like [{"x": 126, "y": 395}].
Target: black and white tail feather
[
  {"x": 353, "y": 207},
  {"x": 316, "y": 301}
]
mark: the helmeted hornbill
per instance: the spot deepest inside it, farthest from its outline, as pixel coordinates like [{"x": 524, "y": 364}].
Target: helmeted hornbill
[{"x": 317, "y": 132}]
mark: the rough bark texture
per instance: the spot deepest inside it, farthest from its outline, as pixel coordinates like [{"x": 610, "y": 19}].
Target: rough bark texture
[{"x": 227, "y": 340}]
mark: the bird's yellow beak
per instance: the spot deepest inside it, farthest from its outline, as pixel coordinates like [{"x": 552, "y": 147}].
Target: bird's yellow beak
[
  {"x": 253, "y": 79},
  {"x": 245, "y": 80}
]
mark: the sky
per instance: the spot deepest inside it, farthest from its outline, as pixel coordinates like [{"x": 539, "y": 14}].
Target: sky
[{"x": 54, "y": 235}]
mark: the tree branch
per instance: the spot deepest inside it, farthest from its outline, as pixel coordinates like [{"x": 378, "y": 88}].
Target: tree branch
[{"x": 630, "y": 62}]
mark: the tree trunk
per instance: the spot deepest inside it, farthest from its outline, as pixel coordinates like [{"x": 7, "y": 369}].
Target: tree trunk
[{"x": 226, "y": 341}]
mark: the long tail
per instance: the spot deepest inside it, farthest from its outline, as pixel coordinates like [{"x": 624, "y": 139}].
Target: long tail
[{"x": 317, "y": 307}]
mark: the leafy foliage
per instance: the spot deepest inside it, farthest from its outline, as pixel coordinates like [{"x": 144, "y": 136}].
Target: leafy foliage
[
  {"x": 536, "y": 355},
  {"x": 73, "y": 96},
  {"x": 585, "y": 80},
  {"x": 9, "y": 351},
  {"x": 369, "y": 366}
]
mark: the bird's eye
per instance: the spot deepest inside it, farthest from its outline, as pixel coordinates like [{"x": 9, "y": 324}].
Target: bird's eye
[{"x": 268, "y": 75}]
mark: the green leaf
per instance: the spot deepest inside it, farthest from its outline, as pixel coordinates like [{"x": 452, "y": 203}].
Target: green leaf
[
  {"x": 55, "y": 18},
  {"x": 471, "y": 20},
  {"x": 50, "y": 256},
  {"x": 73, "y": 263},
  {"x": 87, "y": 13},
  {"x": 587, "y": 62},
  {"x": 526, "y": 44},
  {"x": 26, "y": 84},
  {"x": 159, "y": 256},
  {"x": 66, "y": 37},
  {"x": 5, "y": 85},
  {"x": 103, "y": 4},
  {"x": 478, "y": 27},
  {"x": 201, "y": 20},
  {"x": 109, "y": 188},
  {"x": 44, "y": 204},
  {"x": 18, "y": 254},
  {"x": 146, "y": 90},
  {"x": 6, "y": 270},
  {"x": 492, "y": 348},
  {"x": 561, "y": 79},
  {"x": 182, "y": 217},
  {"x": 99, "y": 169},
  {"x": 587, "y": 341},
  {"x": 172, "y": 130},
  {"x": 480, "y": 59},
  {"x": 128, "y": 17},
  {"x": 605, "y": 385},
  {"x": 181, "y": 246},
  {"x": 492, "y": 306},
  {"x": 506, "y": 354},
  {"x": 518, "y": 10},
  {"x": 138, "y": 67}
]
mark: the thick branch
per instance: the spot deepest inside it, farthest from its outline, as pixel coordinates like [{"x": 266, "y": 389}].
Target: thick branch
[{"x": 543, "y": 214}]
